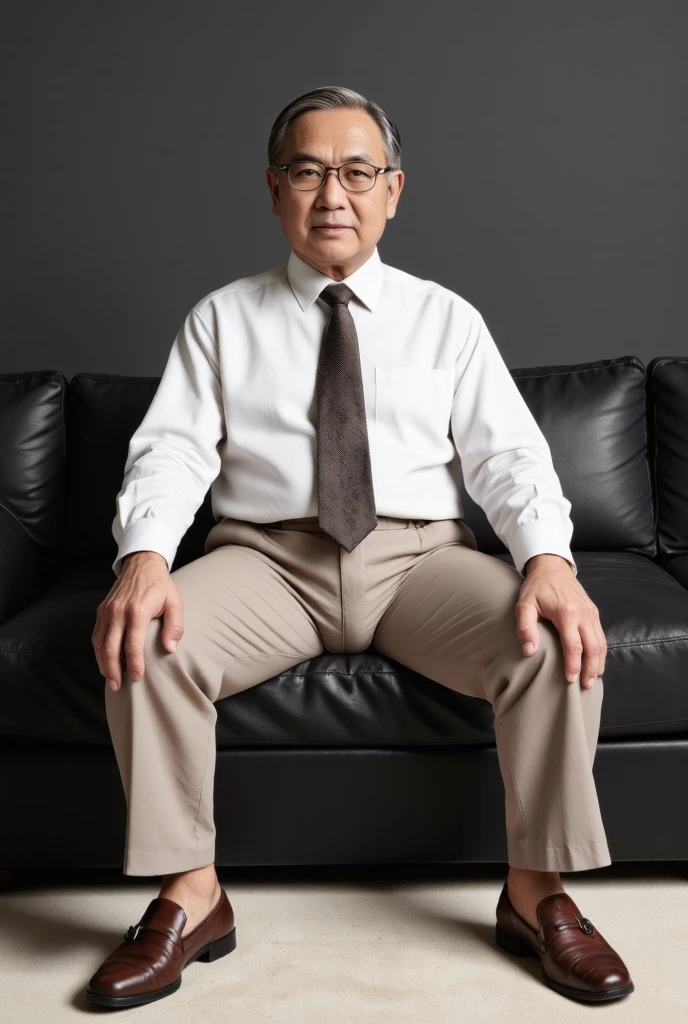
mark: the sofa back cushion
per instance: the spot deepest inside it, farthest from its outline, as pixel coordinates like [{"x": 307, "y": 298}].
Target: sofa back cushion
[
  {"x": 103, "y": 410},
  {"x": 32, "y": 484},
  {"x": 32, "y": 454},
  {"x": 593, "y": 418},
  {"x": 668, "y": 444}
]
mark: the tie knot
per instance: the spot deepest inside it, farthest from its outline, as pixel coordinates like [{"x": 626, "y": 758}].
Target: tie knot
[{"x": 336, "y": 293}]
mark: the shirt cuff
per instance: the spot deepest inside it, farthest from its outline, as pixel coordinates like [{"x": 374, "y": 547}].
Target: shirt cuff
[
  {"x": 540, "y": 538},
  {"x": 146, "y": 535}
]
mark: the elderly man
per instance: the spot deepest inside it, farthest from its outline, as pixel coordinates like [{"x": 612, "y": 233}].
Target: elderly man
[{"x": 334, "y": 403}]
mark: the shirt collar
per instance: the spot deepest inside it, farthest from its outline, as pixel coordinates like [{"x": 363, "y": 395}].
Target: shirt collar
[{"x": 307, "y": 282}]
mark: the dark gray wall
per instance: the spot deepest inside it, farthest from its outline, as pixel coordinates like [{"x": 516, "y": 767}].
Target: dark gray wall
[{"x": 544, "y": 146}]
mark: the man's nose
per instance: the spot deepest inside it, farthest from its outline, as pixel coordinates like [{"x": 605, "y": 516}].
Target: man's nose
[{"x": 332, "y": 185}]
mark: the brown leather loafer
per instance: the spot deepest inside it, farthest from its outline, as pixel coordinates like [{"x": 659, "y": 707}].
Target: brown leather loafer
[
  {"x": 576, "y": 960},
  {"x": 148, "y": 965}
]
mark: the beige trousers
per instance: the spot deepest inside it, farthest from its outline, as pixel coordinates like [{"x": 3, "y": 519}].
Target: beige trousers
[{"x": 261, "y": 600}]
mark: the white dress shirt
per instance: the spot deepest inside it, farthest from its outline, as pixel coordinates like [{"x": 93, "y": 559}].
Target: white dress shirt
[{"x": 236, "y": 410}]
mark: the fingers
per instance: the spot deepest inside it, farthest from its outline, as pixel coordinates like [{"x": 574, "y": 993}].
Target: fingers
[
  {"x": 142, "y": 592},
  {"x": 123, "y": 629},
  {"x": 122, "y": 645},
  {"x": 594, "y": 652},
  {"x": 111, "y": 666},
  {"x": 526, "y": 628},
  {"x": 133, "y": 646},
  {"x": 573, "y": 649},
  {"x": 173, "y": 623},
  {"x": 585, "y": 652}
]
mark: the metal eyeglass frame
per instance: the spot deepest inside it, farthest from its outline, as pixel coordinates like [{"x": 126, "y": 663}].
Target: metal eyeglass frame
[{"x": 285, "y": 167}]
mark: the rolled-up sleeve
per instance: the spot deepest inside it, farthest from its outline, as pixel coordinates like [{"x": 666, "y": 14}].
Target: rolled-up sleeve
[
  {"x": 173, "y": 457},
  {"x": 505, "y": 458}
]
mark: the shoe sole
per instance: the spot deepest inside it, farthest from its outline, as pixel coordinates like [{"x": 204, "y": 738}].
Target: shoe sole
[
  {"x": 520, "y": 948},
  {"x": 213, "y": 951}
]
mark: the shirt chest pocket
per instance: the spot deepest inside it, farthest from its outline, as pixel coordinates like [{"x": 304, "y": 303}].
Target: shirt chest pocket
[{"x": 412, "y": 406}]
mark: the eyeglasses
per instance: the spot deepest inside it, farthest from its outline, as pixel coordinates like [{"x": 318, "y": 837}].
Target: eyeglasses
[{"x": 306, "y": 175}]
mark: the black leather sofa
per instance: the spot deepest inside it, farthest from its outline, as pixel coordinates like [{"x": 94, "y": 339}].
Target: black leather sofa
[{"x": 343, "y": 759}]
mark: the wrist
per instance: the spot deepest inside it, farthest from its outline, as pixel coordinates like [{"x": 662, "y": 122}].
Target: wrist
[
  {"x": 142, "y": 556},
  {"x": 547, "y": 562}
]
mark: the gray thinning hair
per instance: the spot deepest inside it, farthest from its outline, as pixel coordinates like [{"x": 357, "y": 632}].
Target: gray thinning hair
[{"x": 324, "y": 98}]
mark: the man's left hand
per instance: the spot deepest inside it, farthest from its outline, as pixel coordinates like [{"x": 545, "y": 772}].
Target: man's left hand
[{"x": 551, "y": 591}]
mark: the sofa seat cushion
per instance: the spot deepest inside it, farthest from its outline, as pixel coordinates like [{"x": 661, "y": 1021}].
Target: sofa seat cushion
[
  {"x": 52, "y": 689},
  {"x": 644, "y": 614}
]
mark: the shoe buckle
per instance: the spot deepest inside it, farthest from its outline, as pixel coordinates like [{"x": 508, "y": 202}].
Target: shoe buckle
[
  {"x": 132, "y": 932},
  {"x": 584, "y": 923}
]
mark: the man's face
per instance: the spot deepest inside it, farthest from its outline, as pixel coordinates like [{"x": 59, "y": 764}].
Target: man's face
[{"x": 333, "y": 137}]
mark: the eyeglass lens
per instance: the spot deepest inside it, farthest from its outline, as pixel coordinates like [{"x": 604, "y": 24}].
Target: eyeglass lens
[{"x": 354, "y": 176}]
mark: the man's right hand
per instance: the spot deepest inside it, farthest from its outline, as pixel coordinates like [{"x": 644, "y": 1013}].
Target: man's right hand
[{"x": 143, "y": 591}]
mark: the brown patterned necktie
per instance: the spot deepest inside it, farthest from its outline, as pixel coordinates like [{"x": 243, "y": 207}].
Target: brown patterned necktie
[{"x": 346, "y": 499}]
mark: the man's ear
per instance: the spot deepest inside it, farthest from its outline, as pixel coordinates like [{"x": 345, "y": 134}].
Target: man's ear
[
  {"x": 273, "y": 186},
  {"x": 392, "y": 200}
]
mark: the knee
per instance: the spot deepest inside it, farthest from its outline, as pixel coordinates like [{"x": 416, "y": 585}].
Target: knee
[
  {"x": 186, "y": 666},
  {"x": 152, "y": 652}
]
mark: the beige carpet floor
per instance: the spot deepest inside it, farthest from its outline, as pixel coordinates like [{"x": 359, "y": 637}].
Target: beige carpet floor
[{"x": 393, "y": 944}]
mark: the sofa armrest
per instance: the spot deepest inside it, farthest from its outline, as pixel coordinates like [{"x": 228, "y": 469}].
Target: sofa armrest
[
  {"x": 24, "y": 566},
  {"x": 676, "y": 566}
]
